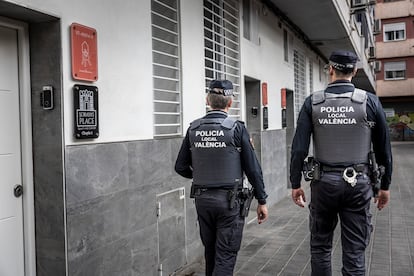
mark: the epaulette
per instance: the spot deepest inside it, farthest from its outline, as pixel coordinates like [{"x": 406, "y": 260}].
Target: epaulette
[
  {"x": 359, "y": 95},
  {"x": 318, "y": 97},
  {"x": 226, "y": 123}
]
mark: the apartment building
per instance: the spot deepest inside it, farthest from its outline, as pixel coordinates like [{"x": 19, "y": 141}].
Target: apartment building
[
  {"x": 96, "y": 96},
  {"x": 394, "y": 65}
]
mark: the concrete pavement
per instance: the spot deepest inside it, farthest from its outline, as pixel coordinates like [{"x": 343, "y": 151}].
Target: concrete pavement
[{"x": 281, "y": 245}]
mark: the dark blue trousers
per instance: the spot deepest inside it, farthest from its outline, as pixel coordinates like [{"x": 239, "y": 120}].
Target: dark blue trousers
[
  {"x": 221, "y": 231},
  {"x": 332, "y": 197}
]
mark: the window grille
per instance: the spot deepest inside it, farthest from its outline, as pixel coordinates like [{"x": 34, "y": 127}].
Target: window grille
[
  {"x": 221, "y": 46},
  {"x": 300, "y": 81},
  {"x": 166, "y": 65}
]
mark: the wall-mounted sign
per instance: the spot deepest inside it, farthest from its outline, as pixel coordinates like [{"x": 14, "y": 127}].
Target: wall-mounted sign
[
  {"x": 85, "y": 99},
  {"x": 265, "y": 118},
  {"x": 264, "y": 94},
  {"x": 84, "y": 52},
  {"x": 283, "y": 97}
]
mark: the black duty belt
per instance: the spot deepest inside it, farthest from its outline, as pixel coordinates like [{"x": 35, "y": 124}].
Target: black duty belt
[
  {"x": 350, "y": 173},
  {"x": 202, "y": 190},
  {"x": 361, "y": 168},
  {"x": 199, "y": 191}
]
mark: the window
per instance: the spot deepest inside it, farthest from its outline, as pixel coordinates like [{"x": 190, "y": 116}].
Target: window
[
  {"x": 300, "y": 81},
  {"x": 285, "y": 45},
  {"x": 394, "y": 70},
  {"x": 251, "y": 11},
  {"x": 320, "y": 69},
  {"x": 394, "y": 32},
  {"x": 221, "y": 45},
  {"x": 166, "y": 68},
  {"x": 246, "y": 19},
  {"x": 310, "y": 76}
]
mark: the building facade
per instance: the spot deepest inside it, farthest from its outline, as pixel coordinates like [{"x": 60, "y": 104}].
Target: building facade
[
  {"x": 395, "y": 65},
  {"x": 96, "y": 96}
]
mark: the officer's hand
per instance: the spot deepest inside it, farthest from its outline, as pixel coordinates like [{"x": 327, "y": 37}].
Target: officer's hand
[
  {"x": 262, "y": 213},
  {"x": 298, "y": 196},
  {"x": 382, "y": 198}
]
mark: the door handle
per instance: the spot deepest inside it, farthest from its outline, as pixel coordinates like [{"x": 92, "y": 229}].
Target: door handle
[{"x": 18, "y": 190}]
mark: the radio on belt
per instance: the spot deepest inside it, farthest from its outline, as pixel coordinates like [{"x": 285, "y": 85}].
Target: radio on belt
[{"x": 46, "y": 97}]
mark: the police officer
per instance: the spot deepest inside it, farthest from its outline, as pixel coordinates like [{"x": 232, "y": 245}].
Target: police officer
[
  {"x": 345, "y": 123},
  {"x": 215, "y": 153}
]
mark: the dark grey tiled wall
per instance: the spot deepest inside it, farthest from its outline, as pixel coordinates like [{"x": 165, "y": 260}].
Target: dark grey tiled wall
[
  {"x": 47, "y": 149},
  {"x": 274, "y": 166},
  {"x": 111, "y": 202},
  {"x": 111, "y": 206}
]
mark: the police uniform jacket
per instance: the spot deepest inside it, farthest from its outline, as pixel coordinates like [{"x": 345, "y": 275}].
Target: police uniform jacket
[
  {"x": 379, "y": 134},
  {"x": 249, "y": 163}
]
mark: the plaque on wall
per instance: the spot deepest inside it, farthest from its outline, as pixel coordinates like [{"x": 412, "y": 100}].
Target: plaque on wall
[
  {"x": 85, "y": 99},
  {"x": 84, "y": 52}
]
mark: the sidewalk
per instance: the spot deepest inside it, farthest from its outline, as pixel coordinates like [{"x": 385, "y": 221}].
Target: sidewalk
[{"x": 281, "y": 245}]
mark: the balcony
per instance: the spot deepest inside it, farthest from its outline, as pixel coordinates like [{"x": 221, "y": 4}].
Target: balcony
[
  {"x": 327, "y": 25},
  {"x": 394, "y": 9},
  {"x": 395, "y": 88},
  {"x": 393, "y": 49}
]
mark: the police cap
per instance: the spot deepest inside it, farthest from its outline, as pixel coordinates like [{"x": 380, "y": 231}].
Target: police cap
[
  {"x": 225, "y": 86},
  {"x": 343, "y": 60}
]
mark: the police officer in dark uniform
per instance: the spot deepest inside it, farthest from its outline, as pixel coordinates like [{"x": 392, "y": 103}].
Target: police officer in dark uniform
[
  {"x": 346, "y": 124},
  {"x": 215, "y": 153}
]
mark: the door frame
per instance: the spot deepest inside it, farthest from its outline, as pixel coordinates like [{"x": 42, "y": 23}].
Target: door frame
[
  {"x": 26, "y": 142},
  {"x": 250, "y": 93}
]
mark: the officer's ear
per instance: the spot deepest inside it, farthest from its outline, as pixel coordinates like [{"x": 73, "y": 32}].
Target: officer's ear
[
  {"x": 354, "y": 72},
  {"x": 230, "y": 102},
  {"x": 331, "y": 70}
]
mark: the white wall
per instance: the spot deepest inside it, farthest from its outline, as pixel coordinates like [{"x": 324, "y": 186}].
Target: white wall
[
  {"x": 125, "y": 64},
  {"x": 125, "y": 67},
  {"x": 266, "y": 63},
  {"x": 192, "y": 49}
]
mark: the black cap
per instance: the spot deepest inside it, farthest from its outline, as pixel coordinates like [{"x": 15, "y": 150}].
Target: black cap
[
  {"x": 343, "y": 60},
  {"x": 225, "y": 85}
]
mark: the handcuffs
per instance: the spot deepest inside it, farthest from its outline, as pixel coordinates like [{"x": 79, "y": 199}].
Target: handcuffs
[{"x": 350, "y": 175}]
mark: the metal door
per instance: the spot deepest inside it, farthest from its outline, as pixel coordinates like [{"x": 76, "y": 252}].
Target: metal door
[
  {"x": 11, "y": 209},
  {"x": 172, "y": 252}
]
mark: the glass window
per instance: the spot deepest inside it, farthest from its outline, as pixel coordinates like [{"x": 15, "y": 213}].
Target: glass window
[
  {"x": 394, "y": 70},
  {"x": 394, "y": 32},
  {"x": 285, "y": 45},
  {"x": 246, "y": 19}
]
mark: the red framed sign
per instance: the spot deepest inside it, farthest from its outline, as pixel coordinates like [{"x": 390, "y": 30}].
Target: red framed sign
[
  {"x": 84, "y": 52},
  {"x": 264, "y": 94}
]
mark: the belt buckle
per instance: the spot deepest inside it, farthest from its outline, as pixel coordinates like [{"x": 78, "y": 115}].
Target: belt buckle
[{"x": 350, "y": 175}]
